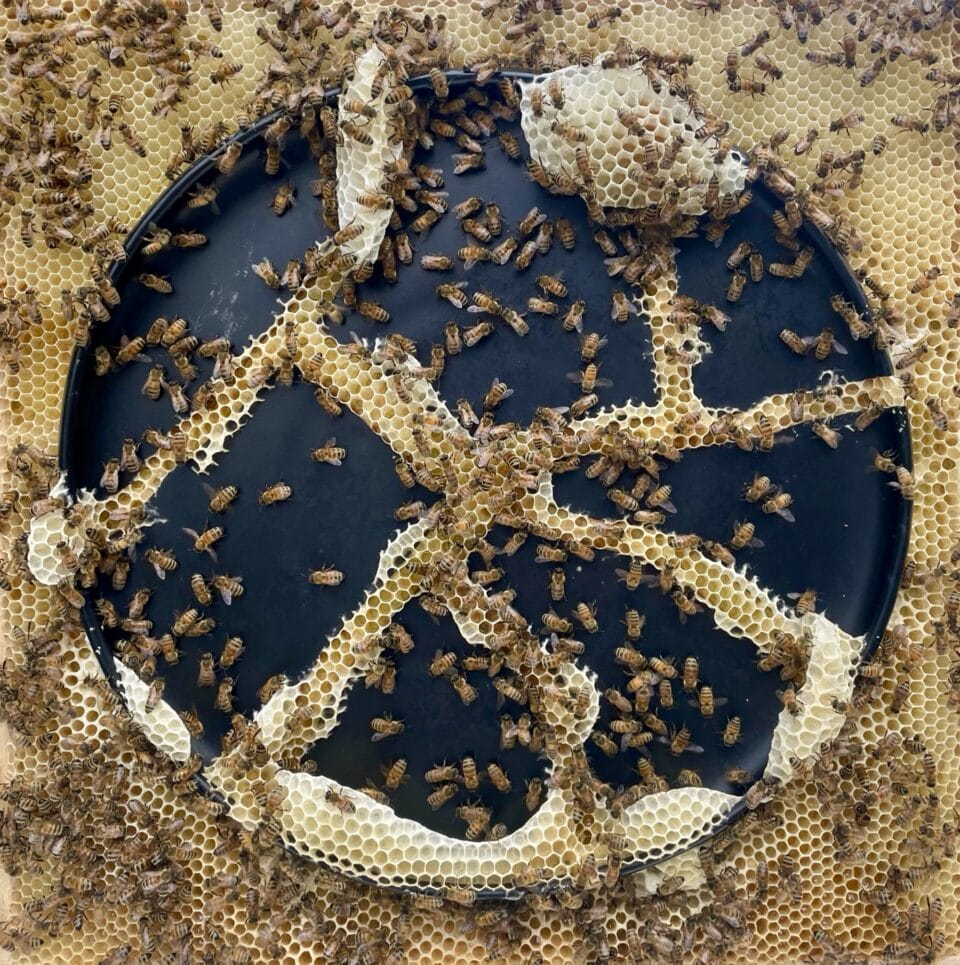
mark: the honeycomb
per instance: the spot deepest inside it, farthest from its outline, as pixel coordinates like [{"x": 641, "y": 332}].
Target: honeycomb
[
  {"x": 597, "y": 103},
  {"x": 837, "y": 886}
]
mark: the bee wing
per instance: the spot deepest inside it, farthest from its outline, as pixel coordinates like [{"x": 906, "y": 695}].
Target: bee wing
[
  {"x": 694, "y": 748},
  {"x": 787, "y": 515},
  {"x": 160, "y": 573},
  {"x": 668, "y": 506},
  {"x": 208, "y": 489},
  {"x": 603, "y": 383},
  {"x": 837, "y": 347},
  {"x": 213, "y": 554},
  {"x": 719, "y": 701},
  {"x": 378, "y": 737},
  {"x": 755, "y": 543},
  {"x": 575, "y": 376},
  {"x": 190, "y": 532}
]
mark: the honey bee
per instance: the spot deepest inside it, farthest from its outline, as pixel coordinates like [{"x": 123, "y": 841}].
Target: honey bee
[
  {"x": 573, "y": 319},
  {"x": 743, "y": 536},
  {"x": 200, "y": 590},
  {"x": 441, "y": 773},
  {"x": 735, "y": 288},
  {"x": 343, "y": 803},
  {"x": 498, "y": 777},
  {"x": 384, "y": 727},
  {"x": 824, "y": 343},
  {"x": 444, "y": 793},
  {"x": 157, "y": 239},
  {"x": 468, "y": 770},
  {"x": 779, "y": 504},
  {"x": 557, "y": 583},
  {"x": 110, "y": 480},
  {"x": 907, "y": 123},
  {"x": 155, "y": 283},
  {"x": 547, "y": 553},
  {"x": 794, "y": 342},
  {"x": 329, "y": 453},
  {"x": 806, "y": 602},
  {"x": 465, "y": 691},
  {"x": 276, "y": 493},
  {"x": 679, "y": 742},
  {"x": 283, "y": 200},
  {"x": 161, "y": 560},
  {"x": 325, "y": 576},
  {"x": 586, "y": 614},
  {"x": 830, "y": 436},
  {"x": 265, "y": 271},
  {"x": 229, "y": 587},
  {"x": 924, "y": 281},
  {"x": 685, "y": 605},
  {"x": 395, "y": 774},
  {"x": 203, "y": 542},
  {"x": 497, "y": 393},
  {"x": 453, "y": 293},
  {"x": 846, "y": 122},
  {"x": 232, "y": 649},
  {"x": 207, "y": 675},
  {"x": 621, "y": 308},
  {"x": 790, "y": 701}
]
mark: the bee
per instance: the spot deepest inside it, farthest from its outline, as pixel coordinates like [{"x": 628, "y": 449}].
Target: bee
[
  {"x": 110, "y": 480},
  {"x": 632, "y": 576},
  {"x": 768, "y": 67},
  {"x": 155, "y": 283},
  {"x": 941, "y": 421},
  {"x": 497, "y": 393},
  {"x": 203, "y": 542},
  {"x": 794, "y": 342},
  {"x": 232, "y": 649},
  {"x": 846, "y": 122},
  {"x": 691, "y": 672},
  {"x": 735, "y": 288},
  {"x": 325, "y": 576},
  {"x": 679, "y": 742},
  {"x": 227, "y": 586},
  {"x": 904, "y": 482},
  {"x": 743, "y": 536},
  {"x": 758, "y": 488},
  {"x": 791, "y": 703},
  {"x": 200, "y": 589},
  {"x": 806, "y": 602},
  {"x": 550, "y": 554},
  {"x": 265, "y": 271},
  {"x": 830, "y": 436},
  {"x": 685, "y": 605},
  {"x": 468, "y": 769},
  {"x": 824, "y": 343},
  {"x": 283, "y": 200},
  {"x": 342, "y": 802},
  {"x": 276, "y": 493},
  {"x": 516, "y": 320},
  {"x": 446, "y": 792},
  {"x": 925, "y": 280},
  {"x": 207, "y": 675},
  {"x": 220, "y": 499},
  {"x": 395, "y": 774},
  {"x": 498, "y": 777},
  {"x": 779, "y": 504},
  {"x": 329, "y": 453},
  {"x": 573, "y": 319},
  {"x": 453, "y": 293},
  {"x": 129, "y": 460},
  {"x": 162, "y": 561},
  {"x": 586, "y": 614},
  {"x": 907, "y": 123},
  {"x": 465, "y": 691},
  {"x": 441, "y": 773},
  {"x": 384, "y": 727},
  {"x": 557, "y": 583},
  {"x": 621, "y": 308}
]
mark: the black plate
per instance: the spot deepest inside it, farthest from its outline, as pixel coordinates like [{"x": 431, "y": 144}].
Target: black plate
[{"x": 848, "y": 541}]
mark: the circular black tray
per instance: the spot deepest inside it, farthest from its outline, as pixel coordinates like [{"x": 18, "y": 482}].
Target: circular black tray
[{"x": 848, "y": 541}]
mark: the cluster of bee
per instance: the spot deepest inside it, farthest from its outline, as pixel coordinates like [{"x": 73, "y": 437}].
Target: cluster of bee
[{"x": 53, "y": 822}]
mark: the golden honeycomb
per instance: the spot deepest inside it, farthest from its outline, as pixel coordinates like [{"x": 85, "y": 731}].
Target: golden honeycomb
[
  {"x": 592, "y": 100},
  {"x": 826, "y": 900}
]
